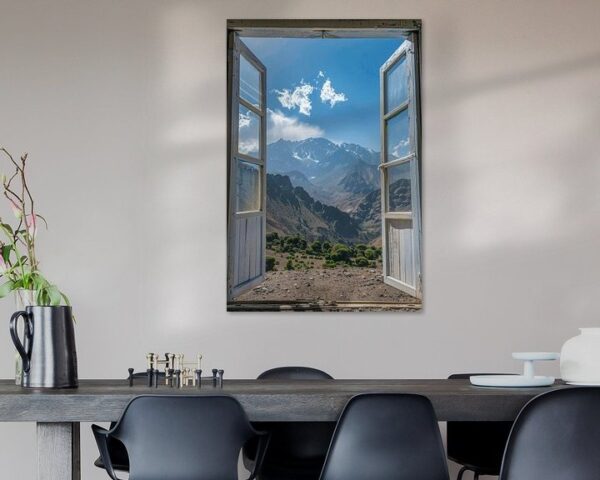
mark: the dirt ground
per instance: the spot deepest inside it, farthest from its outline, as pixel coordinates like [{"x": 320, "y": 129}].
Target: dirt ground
[{"x": 326, "y": 286}]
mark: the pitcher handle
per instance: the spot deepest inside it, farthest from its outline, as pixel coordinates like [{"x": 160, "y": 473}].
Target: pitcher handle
[{"x": 24, "y": 350}]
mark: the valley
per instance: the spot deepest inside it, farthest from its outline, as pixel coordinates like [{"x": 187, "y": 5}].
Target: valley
[{"x": 325, "y": 191}]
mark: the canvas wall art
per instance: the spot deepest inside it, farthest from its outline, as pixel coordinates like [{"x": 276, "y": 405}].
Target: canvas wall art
[{"x": 324, "y": 166}]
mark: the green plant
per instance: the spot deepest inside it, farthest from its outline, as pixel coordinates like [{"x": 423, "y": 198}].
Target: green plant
[
  {"x": 315, "y": 248},
  {"x": 370, "y": 254},
  {"x": 289, "y": 265},
  {"x": 270, "y": 263},
  {"x": 19, "y": 265},
  {"x": 361, "y": 262},
  {"x": 340, "y": 253}
]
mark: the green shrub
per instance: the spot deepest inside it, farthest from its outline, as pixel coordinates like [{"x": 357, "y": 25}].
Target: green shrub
[
  {"x": 270, "y": 263},
  {"x": 315, "y": 248},
  {"x": 361, "y": 262},
  {"x": 289, "y": 265},
  {"x": 293, "y": 244},
  {"x": 340, "y": 253}
]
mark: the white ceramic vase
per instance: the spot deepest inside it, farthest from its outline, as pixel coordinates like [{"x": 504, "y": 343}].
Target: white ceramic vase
[{"x": 580, "y": 358}]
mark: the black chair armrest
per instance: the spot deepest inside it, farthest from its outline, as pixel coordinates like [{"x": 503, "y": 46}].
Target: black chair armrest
[
  {"x": 101, "y": 436},
  {"x": 261, "y": 450}
]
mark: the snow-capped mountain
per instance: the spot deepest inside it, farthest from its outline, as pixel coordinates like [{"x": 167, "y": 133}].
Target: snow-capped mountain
[{"x": 338, "y": 175}]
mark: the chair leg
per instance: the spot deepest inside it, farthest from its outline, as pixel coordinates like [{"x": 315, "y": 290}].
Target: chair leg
[
  {"x": 461, "y": 472},
  {"x": 475, "y": 476}
]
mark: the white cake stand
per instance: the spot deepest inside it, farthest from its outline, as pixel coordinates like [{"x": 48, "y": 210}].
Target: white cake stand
[{"x": 528, "y": 379}]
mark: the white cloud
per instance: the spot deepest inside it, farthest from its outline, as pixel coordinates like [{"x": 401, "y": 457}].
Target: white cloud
[
  {"x": 401, "y": 149},
  {"x": 299, "y": 97},
  {"x": 248, "y": 133},
  {"x": 320, "y": 74},
  {"x": 289, "y": 128},
  {"x": 244, "y": 120},
  {"x": 248, "y": 146},
  {"x": 329, "y": 95}
]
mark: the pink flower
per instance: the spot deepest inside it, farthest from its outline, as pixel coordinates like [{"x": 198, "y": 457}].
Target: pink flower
[
  {"x": 30, "y": 222},
  {"x": 15, "y": 208}
]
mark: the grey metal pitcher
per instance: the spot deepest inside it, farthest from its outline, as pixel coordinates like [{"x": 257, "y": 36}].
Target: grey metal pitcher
[{"x": 48, "y": 346}]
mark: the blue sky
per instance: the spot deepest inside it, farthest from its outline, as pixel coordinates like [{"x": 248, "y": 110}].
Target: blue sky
[{"x": 323, "y": 87}]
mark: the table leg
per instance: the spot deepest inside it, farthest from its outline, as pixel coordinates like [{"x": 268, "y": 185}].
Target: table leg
[{"x": 58, "y": 451}]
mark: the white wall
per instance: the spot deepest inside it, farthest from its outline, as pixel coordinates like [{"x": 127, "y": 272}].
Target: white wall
[{"x": 121, "y": 105}]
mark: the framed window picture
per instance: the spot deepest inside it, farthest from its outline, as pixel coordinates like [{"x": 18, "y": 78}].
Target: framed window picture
[{"x": 324, "y": 165}]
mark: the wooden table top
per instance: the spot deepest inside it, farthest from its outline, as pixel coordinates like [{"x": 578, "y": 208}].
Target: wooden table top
[{"x": 264, "y": 400}]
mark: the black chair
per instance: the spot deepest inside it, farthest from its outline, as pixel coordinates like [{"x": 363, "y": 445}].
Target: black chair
[
  {"x": 181, "y": 438},
  {"x": 297, "y": 450},
  {"x": 477, "y": 446},
  {"x": 386, "y": 437},
  {"x": 116, "y": 450},
  {"x": 556, "y": 437}
]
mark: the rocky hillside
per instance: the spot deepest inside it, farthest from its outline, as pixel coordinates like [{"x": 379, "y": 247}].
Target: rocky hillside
[
  {"x": 291, "y": 210},
  {"x": 323, "y": 190},
  {"x": 368, "y": 211}
]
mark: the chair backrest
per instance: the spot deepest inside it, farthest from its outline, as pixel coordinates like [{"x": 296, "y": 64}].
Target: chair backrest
[
  {"x": 294, "y": 373},
  {"x": 386, "y": 437},
  {"x": 556, "y": 437},
  {"x": 183, "y": 437},
  {"x": 479, "y": 444},
  {"x": 297, "y": 441}
]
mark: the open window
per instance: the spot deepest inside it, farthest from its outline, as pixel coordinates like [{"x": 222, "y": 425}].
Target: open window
[
  {"x": 341, "y": 207},
  {"x": 247, "y": 170},
  {"x": 400, "y": 171}
]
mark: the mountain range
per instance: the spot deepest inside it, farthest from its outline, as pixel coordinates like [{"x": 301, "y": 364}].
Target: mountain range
[
  {"x": 337, "y": 175},
  {"x": 322, "y": 190},
  {"x": 325, "y": 191}
]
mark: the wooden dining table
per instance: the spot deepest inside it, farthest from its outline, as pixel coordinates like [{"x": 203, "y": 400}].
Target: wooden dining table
[{"x": 58, "y": 413}]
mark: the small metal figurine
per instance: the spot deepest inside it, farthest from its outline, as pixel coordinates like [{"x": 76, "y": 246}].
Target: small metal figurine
[
  {"x": 130, "y": 370},
  {"x": 198, "y": 372},
  {"x": 220, "y": 378},
  {"x": 170, "y": 370},
  {"x": 214, "y": 377},
  {"x": 149, "y": 367}
]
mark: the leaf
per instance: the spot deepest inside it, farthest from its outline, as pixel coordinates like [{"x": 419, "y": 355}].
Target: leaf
[
  {"x": 54, "y": 295},
  {"x": 7, "y": 228},
  {"x": 66, "y": 299},
  {"x": 41, "y": 297},
  {"x": 43, "y": 219},
  {"x": 6, "y": 249},
  {"x": 6, "y": 288}
]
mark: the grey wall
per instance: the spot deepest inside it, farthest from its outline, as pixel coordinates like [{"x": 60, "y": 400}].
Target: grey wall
[{"x": 121, "y": 105}]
